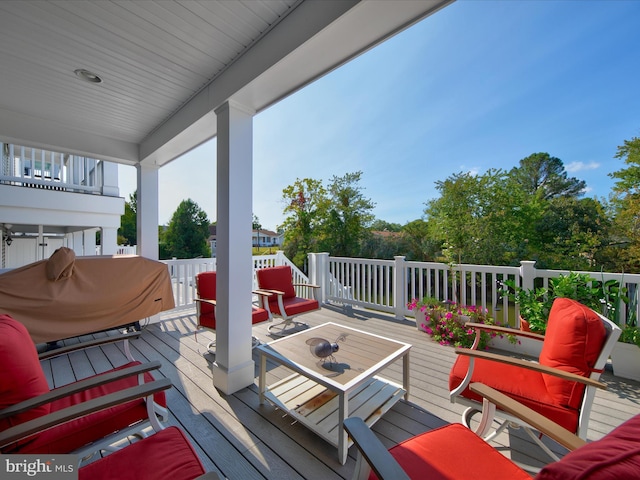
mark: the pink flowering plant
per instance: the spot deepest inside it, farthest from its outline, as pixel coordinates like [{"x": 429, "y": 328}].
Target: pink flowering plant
[{"x": 445, "y": 322}]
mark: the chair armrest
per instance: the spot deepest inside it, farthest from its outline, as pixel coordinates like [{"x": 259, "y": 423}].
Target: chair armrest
[
  {"x": 89, "y": 344},
  {"x": 80, "y": 410},
  {"x": 79, "y": 386},
  {"x": 530, "y": 365},
  {"x": 205, "y": 300},
  {"x": 376, "y": 455},
  {"x": 266, "y": 293},
  {"x": 273, "y": 292},
  {"x": 504, "y": 330},
  {"x": 541, "y": 423}
]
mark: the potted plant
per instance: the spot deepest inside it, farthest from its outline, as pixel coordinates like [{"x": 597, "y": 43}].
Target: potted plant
[
  {"x": 534, "y": 305},
  {"x": 422, "y": 308}
]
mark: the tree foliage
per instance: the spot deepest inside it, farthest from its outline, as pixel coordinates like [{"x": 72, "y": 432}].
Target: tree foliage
[
  {"x": 348, "y": 216},
  {"x": 305, "y": 207},
  {"x": 625, "y": 206},
  {"x": 543, "y": 175},
  {"x": 188, "y": 233},
  {"x": 128, "y": 231}
]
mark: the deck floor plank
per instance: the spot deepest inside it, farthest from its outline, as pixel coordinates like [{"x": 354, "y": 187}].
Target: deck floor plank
[{"x": 241, "y": 439}]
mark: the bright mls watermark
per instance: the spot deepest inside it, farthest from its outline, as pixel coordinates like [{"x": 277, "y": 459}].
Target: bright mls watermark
[{"x": 49, "y": 467}]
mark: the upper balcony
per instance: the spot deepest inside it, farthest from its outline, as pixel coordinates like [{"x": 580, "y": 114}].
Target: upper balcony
[{"x": 36, "y": 168}]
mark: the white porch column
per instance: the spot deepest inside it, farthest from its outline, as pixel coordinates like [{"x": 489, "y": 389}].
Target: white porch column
[
  {"x": 234, "y": 368},
  {"x": 108, "y": 241},
  {"x": 78, "y": 243},
  {"x": 148, "y": 216}
]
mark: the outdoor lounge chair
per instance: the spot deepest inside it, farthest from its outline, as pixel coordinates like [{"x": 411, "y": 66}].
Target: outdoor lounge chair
[
  {"x": 206, "y": 307},
  {"x": 454, "y": 452},
  {"x": 285, "y": 303},
  {"x": 25, "y": 397},
  {"x": 561, "y": 386}
]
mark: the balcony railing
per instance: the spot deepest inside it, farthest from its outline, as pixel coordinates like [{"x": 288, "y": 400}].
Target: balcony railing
[
  {"x": 35, "y": 168},
  {"x": 388, "y": 285}
]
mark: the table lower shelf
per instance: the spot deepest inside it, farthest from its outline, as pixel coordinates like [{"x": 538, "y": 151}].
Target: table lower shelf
[{"x": 317, "y": 407}]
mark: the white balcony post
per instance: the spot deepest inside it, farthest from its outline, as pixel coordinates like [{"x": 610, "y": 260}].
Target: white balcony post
[
  {"x": 110, "y": 179},
  {"x": 399, "y": 286},
  {"x": 234, "y": 367},
  {"x": 527, "y": 273},
  {"x": 319, "y": 273},
  {"x": 279, "y": 257},
  {"x": 148, "y": 216}
]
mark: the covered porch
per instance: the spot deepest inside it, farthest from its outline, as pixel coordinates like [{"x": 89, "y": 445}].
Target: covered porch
[{"x": 241, "y": 439}]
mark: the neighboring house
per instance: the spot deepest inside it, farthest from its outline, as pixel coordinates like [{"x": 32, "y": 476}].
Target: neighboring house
[
  {"x": 51, "y": 199},
  {"x": 259, "y": 238},
  {"x": 265, "y": 238}
]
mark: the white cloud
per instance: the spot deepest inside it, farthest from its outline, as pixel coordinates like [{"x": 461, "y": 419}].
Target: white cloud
[{"x": 581, "y": 166}]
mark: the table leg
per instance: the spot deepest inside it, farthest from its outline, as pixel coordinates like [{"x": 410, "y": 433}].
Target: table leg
[
  {"x": 343, "y": 440},
  {"x": 405, "y": 375},
  {"x": 262, "y": 378}
]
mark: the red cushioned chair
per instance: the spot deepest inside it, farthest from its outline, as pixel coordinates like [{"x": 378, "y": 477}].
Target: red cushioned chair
[
  {"x": 561, "y": 386},
  {"x": 25, "y": 396},
  {"x": 285, "y": 303},
  {"x": 167, "y": 454},
  {"x": 454, "y": 452},
  {"x": 206, "y": 307}
]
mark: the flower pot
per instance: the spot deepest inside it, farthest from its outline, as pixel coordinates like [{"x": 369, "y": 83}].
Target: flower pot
[
  {"x": 625, "y": 358},
  {"x": 421, "y": 319},
  {"x": 524, "y": 325}
]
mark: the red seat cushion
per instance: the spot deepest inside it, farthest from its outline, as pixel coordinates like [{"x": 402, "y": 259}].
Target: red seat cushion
[
  {"x": 524, "y": 385},
  {"x": 615, "y": 456},
  {"x": 453, "y": 452},
  {"x": 77, "y": 433},
  {"x": 21, "y": 376},
  {"x": 573, "y": 340},
  {"x": 258, "y": 315},
  {"x": 276, "y": 278},
  {"x": 164, "y": 455}
]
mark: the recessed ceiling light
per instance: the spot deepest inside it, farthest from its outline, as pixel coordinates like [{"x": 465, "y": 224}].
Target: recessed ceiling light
[{"x": 87, "y": 76}]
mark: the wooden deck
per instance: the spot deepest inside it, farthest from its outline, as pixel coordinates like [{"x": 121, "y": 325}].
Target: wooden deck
[{"x": 241, "y": 439}]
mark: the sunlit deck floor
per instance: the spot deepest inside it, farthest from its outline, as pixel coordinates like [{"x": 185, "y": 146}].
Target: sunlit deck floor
[{"x": 242, "y": 439}]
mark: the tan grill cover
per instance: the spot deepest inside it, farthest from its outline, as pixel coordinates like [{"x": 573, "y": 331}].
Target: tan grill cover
[{"x": 66, "y": 296}]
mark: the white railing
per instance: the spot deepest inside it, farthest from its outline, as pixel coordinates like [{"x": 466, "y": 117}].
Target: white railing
[
  {"x": 31, "y": 167},
  {"x": 389, "y": 285}
]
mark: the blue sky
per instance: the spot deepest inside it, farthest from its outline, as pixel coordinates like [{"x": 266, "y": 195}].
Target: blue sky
[{"x": 480, "y": 84}]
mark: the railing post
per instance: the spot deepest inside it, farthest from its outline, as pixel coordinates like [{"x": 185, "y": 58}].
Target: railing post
[
  {"x": 527, "y": 273},
  {"x": 279, "y": 258},
  {"x": 319, "y": 273},
  {"x": 399, "y": 292}
]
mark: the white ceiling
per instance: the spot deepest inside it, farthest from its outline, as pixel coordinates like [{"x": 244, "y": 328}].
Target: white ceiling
[{"x": 166, "y": 65}]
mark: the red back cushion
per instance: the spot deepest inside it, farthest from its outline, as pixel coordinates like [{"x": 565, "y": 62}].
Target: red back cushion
[
  {"x": 21, "y": 376},
  {"x": 206, "y": 285},
  {"x": 276, "y": 278},
  {"x": 613, "y": 457},
  {"x": 573, "y": 340}
]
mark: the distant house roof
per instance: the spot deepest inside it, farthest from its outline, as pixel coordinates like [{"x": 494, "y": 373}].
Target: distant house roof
[{"x": 386, "y": 234}]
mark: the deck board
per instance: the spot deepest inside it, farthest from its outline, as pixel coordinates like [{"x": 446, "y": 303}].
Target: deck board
[{"x": 241, "y": 439}]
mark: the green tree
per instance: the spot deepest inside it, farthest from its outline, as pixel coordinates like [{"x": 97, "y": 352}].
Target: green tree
[
  {"x": 419, "y": 245},
  {"x": 128, "y": 231},
  {"x": 305, "y": 210},
  {"x": 570, "y": 233},
  {"x": 384, "y": 226},
  {"x": 188, "y": 232},
  {"x": 625, "y": 206},
  {"x": 349, "y": 216},
  {"x": 543, "y": 175}
]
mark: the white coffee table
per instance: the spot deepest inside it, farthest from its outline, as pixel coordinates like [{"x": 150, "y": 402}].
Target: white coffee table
[{"x": 322, "y": 393}]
